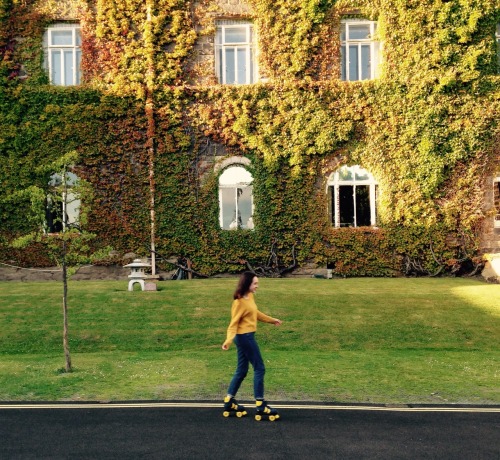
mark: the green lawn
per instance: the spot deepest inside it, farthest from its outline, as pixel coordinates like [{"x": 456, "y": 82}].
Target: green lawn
[{"x": 343, "y": 340}]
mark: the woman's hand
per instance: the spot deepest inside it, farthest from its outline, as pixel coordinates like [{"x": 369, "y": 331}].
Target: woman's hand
[
  {"x": 225, "y": 347},
  {"x": 277, "y": 322}
]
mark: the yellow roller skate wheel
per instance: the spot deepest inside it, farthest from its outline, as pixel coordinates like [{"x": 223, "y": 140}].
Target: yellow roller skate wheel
[
  {"x": 272, "y": 418},
  {"x": 239, "y": 414},
  {"x": 226, "y": 413},
  {"x": 258, "y": 418}
]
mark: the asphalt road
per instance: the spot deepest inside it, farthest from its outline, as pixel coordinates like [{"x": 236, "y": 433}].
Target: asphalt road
[{"x": 199, "y": 431}]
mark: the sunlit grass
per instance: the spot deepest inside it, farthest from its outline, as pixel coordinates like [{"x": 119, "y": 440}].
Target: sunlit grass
[
  {"x": 483, "y": 296},
  {"x": 347, "y": 340}
]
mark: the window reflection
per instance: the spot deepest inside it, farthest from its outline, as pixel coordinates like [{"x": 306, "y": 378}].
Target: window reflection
[{"x": 235, "y": 199}]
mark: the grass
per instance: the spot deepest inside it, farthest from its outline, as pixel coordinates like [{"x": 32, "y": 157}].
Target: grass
[{"x": 389, "y": 341}]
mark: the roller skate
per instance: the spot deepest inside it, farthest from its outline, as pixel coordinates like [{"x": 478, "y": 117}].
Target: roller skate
[
  {"x": 232, "y": 407},
  {"x": 265, "y": 412}
]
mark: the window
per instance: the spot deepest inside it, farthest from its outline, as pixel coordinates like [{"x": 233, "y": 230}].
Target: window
[
  {"x": 62, "y": 202},
  {"x": 497, "y": 36},
  {"x": 235, "y": 199},
  {"x": 63, "y": 54},
  {"x": 352, "y": 197},
  {"x": 234, "y": 53},
  {"x": 358, "y": 51},
  {"x": 496, "y": 201}
]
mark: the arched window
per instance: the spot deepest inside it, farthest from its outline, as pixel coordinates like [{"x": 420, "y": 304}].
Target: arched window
[
  {"x": 352, "y": 197},
  {"x": 235, "y": 199}
]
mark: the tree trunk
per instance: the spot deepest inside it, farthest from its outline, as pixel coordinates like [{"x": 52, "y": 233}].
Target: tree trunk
[
  {"x": 65, "y": 313},
  {"x": 65, "y": 278}
]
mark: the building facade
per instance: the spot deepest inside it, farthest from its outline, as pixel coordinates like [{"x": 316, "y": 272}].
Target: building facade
[{"x": 355, "y": 137}]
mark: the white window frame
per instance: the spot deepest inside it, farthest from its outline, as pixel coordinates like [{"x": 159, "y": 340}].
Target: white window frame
[
  {"x": 496, "y": 217},
  {"x": 222, "y": 47},
  {"x": 235, "y": 224},
  {"x": 71, "y": 51},
  {"x": 368, "y": 43},
  {"x": 335, "y": 181}
]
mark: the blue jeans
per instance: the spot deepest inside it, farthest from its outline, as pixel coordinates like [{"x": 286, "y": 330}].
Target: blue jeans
[{"x": 248, "y": 352}]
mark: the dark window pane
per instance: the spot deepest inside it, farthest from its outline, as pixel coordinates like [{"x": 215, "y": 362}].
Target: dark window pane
[
  {"x": 333, "y": 205},
  {"x": 363, "y": 205},
  {"x": 346, "y": 204}
]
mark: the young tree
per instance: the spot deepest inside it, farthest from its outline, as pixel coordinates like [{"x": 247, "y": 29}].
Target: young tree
[{"x": 58, "y": 222}]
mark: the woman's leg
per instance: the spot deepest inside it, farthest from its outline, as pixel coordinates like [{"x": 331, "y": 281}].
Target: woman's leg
[
  {"x": 241, "y": 368},
  {"x": 252, "y": 352}
]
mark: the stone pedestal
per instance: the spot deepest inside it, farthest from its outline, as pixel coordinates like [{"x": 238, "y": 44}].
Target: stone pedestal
[{"x": 491, "y": 270}]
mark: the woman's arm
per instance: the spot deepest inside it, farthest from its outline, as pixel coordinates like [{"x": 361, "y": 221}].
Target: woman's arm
[
  {"x": 236, "y": 314},
  {"x": 268, "y": 319}
]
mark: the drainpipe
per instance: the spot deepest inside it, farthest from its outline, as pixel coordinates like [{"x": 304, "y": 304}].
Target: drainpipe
[{"x": 151, "y": 126}]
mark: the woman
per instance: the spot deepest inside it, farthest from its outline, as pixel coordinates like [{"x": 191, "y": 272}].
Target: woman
[{"x": 241, "y": 330}]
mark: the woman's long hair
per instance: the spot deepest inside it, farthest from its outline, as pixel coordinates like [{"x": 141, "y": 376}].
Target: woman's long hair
[{"x": 244, "y": 283}]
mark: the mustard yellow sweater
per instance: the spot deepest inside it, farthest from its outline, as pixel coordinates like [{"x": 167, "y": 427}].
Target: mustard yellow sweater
[{"x": 244, "y": 317}]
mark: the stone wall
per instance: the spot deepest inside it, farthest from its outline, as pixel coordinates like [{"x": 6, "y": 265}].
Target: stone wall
[
  {"x": 233, "y": 7},
  {"x": 114, "y": 272},
  {"x": 490, "y": 238},
  {"x": 89, "y": 272}
]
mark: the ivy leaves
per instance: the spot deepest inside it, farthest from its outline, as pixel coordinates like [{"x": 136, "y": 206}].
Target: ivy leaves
[{"x": 292, "y": 123}]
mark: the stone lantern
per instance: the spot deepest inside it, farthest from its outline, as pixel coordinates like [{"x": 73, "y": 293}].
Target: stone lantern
[{"x": 138, "y": 275}]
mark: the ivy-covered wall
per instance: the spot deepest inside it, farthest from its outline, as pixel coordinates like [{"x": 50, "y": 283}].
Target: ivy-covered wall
[{"x": 146, "y": 122}]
